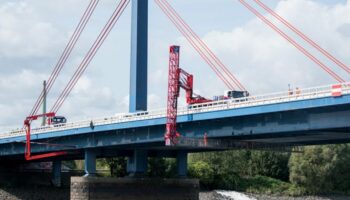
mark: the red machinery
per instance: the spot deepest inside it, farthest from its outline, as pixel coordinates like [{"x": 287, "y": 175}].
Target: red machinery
[
  {"x": 178, "y": 78},
  {"x": 27, "y": 153}
]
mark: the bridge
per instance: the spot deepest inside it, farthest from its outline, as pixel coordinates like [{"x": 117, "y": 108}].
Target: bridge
[
  {"x": 314, "y": 116},
  {"x": 309, "y": 116}
]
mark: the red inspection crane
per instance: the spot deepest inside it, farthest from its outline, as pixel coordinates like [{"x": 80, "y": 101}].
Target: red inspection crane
[
  {"x": 27, "y": 123},
  {"x": 178, "y": 78}
]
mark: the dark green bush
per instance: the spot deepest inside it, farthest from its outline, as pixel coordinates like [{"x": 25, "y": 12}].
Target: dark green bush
[
  {"x": 161, "y": 167},
  {"x": 203, "y": 171}
]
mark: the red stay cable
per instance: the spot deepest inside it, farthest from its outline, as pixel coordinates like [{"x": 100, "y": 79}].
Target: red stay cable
[
  {"x": 91, "y": 53},
  {"x": 195, "y": 45},
  {"x": 87, "y": 14},
  {"x": 206, "y": 48},
  {"x": 303, "y": 36},
  {"x": 208, "y": 53},
  {"x": 86, "y": 59},
  {"x": 77, "y": 37},
  {"x": 293, "y": 42},
  {"x": 66, "y": 53}
]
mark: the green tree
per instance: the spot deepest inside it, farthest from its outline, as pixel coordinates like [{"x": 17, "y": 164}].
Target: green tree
[
  {"x": 203, "y": 171},
  {"x": 226, "y": 168},
  {"x": 231, "y": 167},
  {"x": 157, "y": 167},
  {"x": 271, "y": 164},
  {"x": 161, "y": 167},
  {"x": 117, "y": 166},
  {"x": 322, "y": 169},
  {"x": 70, "y": 164}
]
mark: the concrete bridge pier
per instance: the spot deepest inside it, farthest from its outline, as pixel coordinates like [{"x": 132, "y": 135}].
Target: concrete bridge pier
[
  {"x": 56, "y": 173},
  {"x": 137, "y": 163},
  {"x": 90, "y": 162},
  {"x": 181, "y": 161}
]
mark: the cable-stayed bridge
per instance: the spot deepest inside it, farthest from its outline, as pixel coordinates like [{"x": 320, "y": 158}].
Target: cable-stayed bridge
[{"x": 306, "y": 116}]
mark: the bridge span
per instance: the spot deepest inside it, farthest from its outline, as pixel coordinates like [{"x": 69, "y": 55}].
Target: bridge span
[
  {"x": 305, "y": 117},
  {"x": 313, "y": 116}
]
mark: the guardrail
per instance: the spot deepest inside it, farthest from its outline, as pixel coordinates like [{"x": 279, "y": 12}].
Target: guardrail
[{"x": 274, "y": 98}]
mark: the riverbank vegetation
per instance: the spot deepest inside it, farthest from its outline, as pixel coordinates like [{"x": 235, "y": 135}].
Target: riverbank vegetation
[{"x": 315, "y": 170}]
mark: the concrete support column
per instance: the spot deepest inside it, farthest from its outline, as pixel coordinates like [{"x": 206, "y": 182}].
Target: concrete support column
[
  {"x": 56, "y": 173},
  {"x": 181, "y": 164},
  {"x": 90, "y": 162},
  {"x": 137, "y": 164}
]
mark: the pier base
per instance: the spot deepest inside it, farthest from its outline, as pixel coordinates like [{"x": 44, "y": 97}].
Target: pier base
[{"x": 94, "y": 188}]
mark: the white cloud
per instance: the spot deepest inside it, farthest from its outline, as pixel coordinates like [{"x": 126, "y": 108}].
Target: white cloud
[
  {"x": 22, "y": 33},
  {"x": 154, "y": 101},
  {"x": 32, "y": 36},
  {"x": 31, "y": 39},
  {"x": 265, "y": 62},
  {"x": 345, "y": 30}
]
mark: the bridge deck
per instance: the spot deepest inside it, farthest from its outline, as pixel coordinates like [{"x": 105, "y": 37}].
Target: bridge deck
[
  {"x": 255, "y": 102},
  {"x": 246, "y": 118}
]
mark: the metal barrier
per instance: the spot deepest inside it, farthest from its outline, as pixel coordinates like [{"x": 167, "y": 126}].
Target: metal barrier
[{"x": 274, "y": 98}]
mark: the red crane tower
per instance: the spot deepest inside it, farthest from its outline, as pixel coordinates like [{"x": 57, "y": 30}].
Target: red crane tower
[{"x": 178, "y": 78}]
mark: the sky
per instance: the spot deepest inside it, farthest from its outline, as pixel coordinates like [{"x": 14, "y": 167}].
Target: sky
[{"x": 33, "y": 34}]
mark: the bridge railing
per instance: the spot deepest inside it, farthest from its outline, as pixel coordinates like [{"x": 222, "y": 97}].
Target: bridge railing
[{"x": 274, "y": 98}]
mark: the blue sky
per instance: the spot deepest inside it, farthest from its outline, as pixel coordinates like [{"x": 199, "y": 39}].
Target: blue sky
[{"x": 33, "y": 33}]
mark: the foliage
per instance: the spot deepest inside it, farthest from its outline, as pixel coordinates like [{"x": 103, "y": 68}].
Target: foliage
[
  {"x": 117, "y": 166},
  {"x": 271, "y": 164},
  {"x": 322, "y": 169},
  {"x": 263, "y": 184},
  {"x": 71, "y": 164},
  {"x": 229, "y": 167},
  {"x": 203, "y": 171},
  {"x": 79, "y": 164},
  {"x": 319, "y": 170},
  {"x": 161, "y": 167}
]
